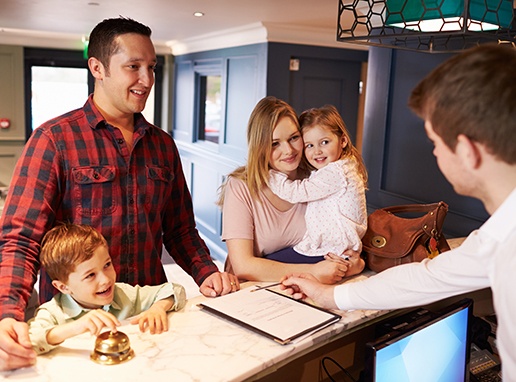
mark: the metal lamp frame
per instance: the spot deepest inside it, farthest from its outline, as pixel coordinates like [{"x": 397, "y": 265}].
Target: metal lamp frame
[{"x": 364, "y": 22}]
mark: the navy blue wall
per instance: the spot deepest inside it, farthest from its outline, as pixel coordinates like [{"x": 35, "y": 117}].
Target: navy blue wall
[
  {"x": 398, "y": 155},
  {"x": 248, "y": 74}
]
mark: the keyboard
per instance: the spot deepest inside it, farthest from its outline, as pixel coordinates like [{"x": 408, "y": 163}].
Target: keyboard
[{"x": 492, "y": 374}]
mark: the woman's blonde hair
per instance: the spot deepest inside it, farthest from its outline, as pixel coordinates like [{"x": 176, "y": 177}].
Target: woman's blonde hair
[
  {"x": 328, "y": 117},
  {"x": 264, "y": 118}
]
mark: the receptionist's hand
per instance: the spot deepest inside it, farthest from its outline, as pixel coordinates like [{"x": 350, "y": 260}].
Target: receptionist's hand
[{"x": 304, "y": 285}]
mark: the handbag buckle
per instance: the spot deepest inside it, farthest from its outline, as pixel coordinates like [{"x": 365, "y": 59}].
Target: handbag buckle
[{"x": 378, "y": 241}]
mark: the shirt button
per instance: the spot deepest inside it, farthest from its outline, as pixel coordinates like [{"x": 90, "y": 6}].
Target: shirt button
[
  {"x": 131, "y": 201},
  {"x": 120, "y": 141},
  {"x": 96, "y": 175}
]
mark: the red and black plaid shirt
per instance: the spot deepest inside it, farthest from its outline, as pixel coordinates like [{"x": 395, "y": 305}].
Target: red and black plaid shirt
[{"x": 77, "y": 168}]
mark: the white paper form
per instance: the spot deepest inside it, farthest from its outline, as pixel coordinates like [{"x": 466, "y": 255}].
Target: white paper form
[{"x": 270, "y": 313}]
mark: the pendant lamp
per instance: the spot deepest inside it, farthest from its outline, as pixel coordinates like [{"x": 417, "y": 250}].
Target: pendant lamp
[{"x": 426, "y": 25}]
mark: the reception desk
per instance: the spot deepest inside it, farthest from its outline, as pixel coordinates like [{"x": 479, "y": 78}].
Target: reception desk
[{"x": 197, "y": 347}]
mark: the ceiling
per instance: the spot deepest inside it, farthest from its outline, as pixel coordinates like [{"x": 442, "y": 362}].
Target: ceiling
[{"x": 172, "y": 21}]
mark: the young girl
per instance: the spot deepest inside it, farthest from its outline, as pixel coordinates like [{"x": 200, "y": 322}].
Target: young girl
[{"x": 336, "y": 214}]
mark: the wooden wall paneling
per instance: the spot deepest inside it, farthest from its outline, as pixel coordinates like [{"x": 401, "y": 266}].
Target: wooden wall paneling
[{"x": 184, "y": 101}]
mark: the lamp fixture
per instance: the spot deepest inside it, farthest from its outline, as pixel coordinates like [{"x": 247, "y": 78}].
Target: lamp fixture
[{"x": 426, "y": 25}]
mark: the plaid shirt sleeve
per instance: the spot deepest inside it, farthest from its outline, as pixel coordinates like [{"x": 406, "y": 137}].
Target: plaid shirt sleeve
[
  {"x": 181, "y": 238},
  {"x": 28, "y": 213}
]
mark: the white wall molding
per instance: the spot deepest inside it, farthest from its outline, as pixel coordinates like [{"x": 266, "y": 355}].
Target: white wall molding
[
  {"x": 38, "y": 39},
  {"x": 249, "y": 34}
]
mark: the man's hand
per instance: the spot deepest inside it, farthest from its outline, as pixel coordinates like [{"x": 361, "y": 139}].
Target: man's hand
[
  {"x": 15, "y": 346},
  {"x": 304, "y": 285},
  {"x": 218, "y": 284}
]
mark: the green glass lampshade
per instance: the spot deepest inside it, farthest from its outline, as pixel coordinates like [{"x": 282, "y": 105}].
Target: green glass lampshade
[{"x": 449, "y": 15}]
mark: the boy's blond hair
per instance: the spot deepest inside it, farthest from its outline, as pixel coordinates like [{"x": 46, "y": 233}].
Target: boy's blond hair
[{"x": 66, "y": 246}]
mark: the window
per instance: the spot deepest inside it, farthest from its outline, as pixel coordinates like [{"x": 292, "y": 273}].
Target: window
[
  {"x": 209, "y": 125},
  {"x": 55, "y": 91},
  {"x": 208, "y": 103}
]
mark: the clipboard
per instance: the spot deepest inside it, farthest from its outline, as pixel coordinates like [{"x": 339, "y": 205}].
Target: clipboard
[{"x": 270, "y": 313}]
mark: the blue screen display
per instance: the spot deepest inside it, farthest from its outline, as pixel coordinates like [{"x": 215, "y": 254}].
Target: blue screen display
[{"x": 435, "y": 353}]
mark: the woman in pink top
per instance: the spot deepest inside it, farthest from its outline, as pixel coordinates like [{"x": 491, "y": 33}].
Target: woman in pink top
[{"x": 255, "y": 221}]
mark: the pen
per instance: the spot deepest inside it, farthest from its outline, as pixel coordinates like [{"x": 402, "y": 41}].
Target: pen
[{"x": 265, "y": 286}]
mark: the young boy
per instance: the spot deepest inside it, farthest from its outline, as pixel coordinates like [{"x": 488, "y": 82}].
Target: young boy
[{"x": 76, "y": 257}]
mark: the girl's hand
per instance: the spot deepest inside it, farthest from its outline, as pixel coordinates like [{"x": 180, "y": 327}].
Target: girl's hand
[{"x": 356, "y": 266}]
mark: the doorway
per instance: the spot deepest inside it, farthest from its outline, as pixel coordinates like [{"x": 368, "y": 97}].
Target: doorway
[{"x": 320, "y": 81}]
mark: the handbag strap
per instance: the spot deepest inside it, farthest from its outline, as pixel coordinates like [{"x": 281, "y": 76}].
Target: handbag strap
[
  {"x": 415, "y": 207},
  {"x": 431, "y": 225}
]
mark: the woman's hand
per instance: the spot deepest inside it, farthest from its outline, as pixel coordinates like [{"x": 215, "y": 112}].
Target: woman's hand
[
  {"x": 330, "y": 271},
  {"x": 336, "y": 258}
]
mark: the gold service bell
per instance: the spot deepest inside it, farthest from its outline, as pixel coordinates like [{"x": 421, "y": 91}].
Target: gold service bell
[{"x": 112, "y": 348}]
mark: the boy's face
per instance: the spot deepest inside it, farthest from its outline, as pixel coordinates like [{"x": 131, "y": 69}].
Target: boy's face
[{"x": 92, "y": 283}]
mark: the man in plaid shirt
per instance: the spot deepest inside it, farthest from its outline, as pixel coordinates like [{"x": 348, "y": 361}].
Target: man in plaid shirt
[{"x": 103, "y": 165}]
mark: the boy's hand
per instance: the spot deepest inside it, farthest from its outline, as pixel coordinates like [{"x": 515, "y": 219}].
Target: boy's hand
[
  {"x": 96, "y": 320},
  {"x": 155, "y": 318},
  {"x": 93, "y": 321}
]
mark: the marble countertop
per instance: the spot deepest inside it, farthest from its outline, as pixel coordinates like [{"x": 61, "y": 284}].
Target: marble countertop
[{"x": 197, "y": 347}]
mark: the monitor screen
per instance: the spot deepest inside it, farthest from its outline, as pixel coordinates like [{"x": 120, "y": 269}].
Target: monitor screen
[{"x": 436, "y": 350}]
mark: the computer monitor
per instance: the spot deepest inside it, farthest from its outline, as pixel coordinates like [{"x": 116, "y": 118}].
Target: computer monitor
[{"x": 433, "y": 350}]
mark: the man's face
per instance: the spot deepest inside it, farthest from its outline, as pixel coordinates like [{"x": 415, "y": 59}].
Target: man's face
[
  {"x": 450, "y": 163},
  {"x": 129, "y": 80}
]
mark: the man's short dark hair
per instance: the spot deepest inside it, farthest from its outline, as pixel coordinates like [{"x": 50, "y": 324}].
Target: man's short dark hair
[{"x": 102, "y": 41}]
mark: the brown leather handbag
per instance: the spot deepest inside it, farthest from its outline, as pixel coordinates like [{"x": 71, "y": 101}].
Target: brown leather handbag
[{"x": 392, "y": 239}]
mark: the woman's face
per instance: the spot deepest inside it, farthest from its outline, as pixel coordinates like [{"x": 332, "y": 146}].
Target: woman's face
[{"x": 287, "y": 147}]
